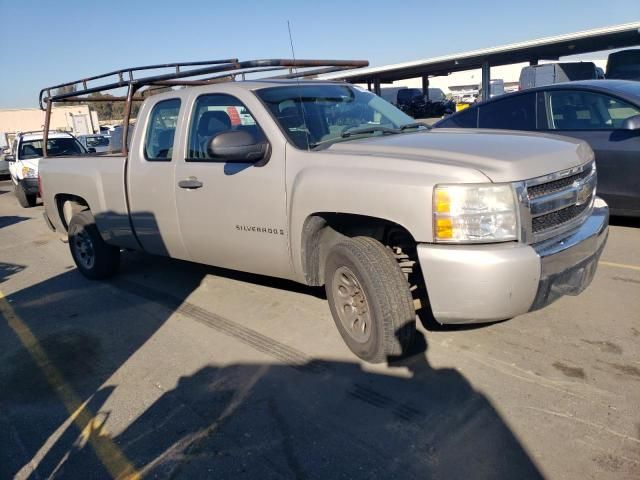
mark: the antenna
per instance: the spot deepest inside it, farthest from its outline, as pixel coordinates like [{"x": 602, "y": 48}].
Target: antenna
[{"x": 304, "y": 114}]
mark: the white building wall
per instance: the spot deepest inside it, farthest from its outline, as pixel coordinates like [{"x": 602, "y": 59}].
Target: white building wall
[{"x": 30, "y": 119}]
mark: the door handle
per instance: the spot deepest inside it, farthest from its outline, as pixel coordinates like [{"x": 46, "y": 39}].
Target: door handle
[{"x": 190, "y": 183}]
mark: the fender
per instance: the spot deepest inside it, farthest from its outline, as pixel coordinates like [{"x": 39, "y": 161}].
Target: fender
[{"x": 363, "y": 185}]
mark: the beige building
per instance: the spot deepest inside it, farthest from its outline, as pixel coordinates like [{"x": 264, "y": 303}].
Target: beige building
[{"x": 77, "y": 119}]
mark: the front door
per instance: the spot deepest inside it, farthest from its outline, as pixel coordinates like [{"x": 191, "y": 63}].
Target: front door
[
  {"x": 597, "y": 118},
  {"x": 150, "y": 177},
  {"x": 231, "y": 215}
]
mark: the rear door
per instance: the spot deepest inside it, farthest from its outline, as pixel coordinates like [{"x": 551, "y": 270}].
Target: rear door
[
  {"x": 151, "y": 176},
  {"x": 513, "y": 112},
  {"x": 232, "y": 215},
  {"x": 597, "y": 118}
]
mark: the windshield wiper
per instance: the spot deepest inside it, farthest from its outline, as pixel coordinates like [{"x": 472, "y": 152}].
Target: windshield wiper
[
  {"x": 413, "y": 125},
  {"x": 352, "y": 131},
  {"x": 369, "y": 129}
]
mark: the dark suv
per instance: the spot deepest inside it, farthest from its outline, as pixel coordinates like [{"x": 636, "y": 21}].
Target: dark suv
[{"x": 413, "y": 102}]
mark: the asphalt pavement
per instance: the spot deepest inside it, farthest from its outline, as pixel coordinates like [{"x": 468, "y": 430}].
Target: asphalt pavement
[{"x": 178, "y": 370}]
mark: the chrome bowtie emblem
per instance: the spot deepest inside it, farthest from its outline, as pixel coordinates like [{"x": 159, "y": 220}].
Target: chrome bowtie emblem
[{"x": 583, "y": 192}]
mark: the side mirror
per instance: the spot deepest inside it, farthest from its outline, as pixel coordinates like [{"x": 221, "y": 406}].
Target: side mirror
[
  {"x": 91, "y": 150},
  {"x": 239, "y": 146},
  {"x": 10, "y": 158},
  {"x": 631, "y": 123}
]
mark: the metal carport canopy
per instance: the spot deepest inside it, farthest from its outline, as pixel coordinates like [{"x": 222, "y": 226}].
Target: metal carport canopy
[{"x": 548, "y": 48}]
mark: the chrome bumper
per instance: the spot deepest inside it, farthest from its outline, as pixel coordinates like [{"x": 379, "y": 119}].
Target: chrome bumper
[
  {"x": 569, "y": 264},
  {"x": 484, "y": 283}
]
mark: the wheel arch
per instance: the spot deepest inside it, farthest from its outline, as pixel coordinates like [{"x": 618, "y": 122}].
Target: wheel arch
[
  {"x": 67, "y": 205},
  {"x": 322, "y": 230}
]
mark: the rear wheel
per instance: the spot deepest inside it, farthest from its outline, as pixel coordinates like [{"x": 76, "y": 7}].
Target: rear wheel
[
  {"x": 93, "y": 256},
  {"x": 24, "y": 199},
  {"x": 369, "y": 299}
]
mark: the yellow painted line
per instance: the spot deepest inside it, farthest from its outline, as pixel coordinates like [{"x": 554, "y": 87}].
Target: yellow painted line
[
  {"x": 91, "y": 429},
  {"x": 620, "y": 265}
]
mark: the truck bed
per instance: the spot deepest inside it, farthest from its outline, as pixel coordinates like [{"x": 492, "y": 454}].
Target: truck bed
[{"x": 99, "y": 179}]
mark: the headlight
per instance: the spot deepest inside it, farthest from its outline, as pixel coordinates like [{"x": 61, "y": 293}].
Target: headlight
[
  {"x": 474, "y": 213},
  {"x": 29, "y": 172}
]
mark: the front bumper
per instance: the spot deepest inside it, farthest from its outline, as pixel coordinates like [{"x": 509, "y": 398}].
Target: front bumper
[
  {"x": 30, "y": 185},
  {"x": 484, "y": 283}
]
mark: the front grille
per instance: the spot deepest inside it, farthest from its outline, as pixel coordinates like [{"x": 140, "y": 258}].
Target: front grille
[
  {"x": 555, "y": 204},
  {"x": 557, "y": 218},
  {"x": 536, "y": 191}
]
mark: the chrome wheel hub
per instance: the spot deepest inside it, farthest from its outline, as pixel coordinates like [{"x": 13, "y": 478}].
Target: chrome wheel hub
[
  {"x": 84, "y": 249},
  {"x": 351, "y": 304}
]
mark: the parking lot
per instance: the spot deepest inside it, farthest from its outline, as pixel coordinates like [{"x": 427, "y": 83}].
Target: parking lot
[{"x": 174, "y": 370}]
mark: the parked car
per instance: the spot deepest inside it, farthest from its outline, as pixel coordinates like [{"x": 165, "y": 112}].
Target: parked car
[
  {"x": 413, "y": 102},
  {"x": 604, "y": 113},
  {"x": 115, "y": 139},
  {"x": 4, "y": 150},
  {"x": 624, "y": 65},
  {"x": 27, "y": 153},
  {"x": 550, "y": 73},
  {"x": 331, "y": 185},
  {"x": 94, "y": 143},
  {"x": 4, "y": 165}
]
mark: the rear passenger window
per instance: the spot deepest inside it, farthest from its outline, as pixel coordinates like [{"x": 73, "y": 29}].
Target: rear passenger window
[
  {"x": 468, "y": 118},
  {"x": 515, "y": 113},
  {"x": 158, "y": 142},
  {"x": 214, "y": 114}
]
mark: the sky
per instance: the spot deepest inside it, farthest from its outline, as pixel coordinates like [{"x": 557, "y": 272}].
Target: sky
[{"x": 43, "y": 43}]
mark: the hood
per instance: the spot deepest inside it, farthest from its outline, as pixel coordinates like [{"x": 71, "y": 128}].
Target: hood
[{"x": 501, "y": 155}]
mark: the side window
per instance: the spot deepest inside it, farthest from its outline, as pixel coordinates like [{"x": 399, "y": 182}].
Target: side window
[
  {"x": 468, "y": 118},
  {"x": 511, "y": 113},
  {"x": 580, "y": 110},
  {"x": 213, "y": 114},
  {"x": 158, "y": 142}
]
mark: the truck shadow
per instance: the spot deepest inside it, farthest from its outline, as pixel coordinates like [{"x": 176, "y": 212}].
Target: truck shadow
[
  {"x": 70, "y": 335},
  {"x": 8, "y": 220},
  {"x": 8, "y": 269},
  {"x": 316, "y": 419}
]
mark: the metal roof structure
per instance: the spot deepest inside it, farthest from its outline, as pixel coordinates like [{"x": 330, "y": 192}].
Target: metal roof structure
[{"x": 547, "y": 48}]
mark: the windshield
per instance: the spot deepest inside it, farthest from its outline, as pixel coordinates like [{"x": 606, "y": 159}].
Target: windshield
[
  {"x": 55, "y": 148},
  {"x": 319, "y": 114}
]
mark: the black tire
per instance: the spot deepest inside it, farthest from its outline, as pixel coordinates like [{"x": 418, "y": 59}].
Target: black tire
[
  {"x": 94, "y": 258},
  {"x": 25, "y": 200},
  {"x": 386, "y": 298}
]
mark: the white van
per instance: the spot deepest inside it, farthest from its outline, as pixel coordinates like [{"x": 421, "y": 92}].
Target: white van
[{"x": 549, "y": 73}]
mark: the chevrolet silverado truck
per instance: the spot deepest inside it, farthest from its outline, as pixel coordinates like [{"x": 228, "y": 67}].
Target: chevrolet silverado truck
[{"x": 326, "y": 184}]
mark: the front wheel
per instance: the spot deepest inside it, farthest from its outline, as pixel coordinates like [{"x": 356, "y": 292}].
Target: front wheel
[
  {"x": 24, "y": 199},
  {"x": 369, "y": 299},
  {"x": 93, "y": 256}
]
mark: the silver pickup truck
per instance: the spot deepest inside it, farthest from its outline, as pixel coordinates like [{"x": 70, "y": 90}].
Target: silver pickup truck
[{"x": 325, "y": 183}]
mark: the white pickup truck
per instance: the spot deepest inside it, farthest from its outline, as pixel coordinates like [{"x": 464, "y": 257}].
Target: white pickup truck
[
  {"x": 327, "y": 184},
  {"x": 27, "y": 152}
]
